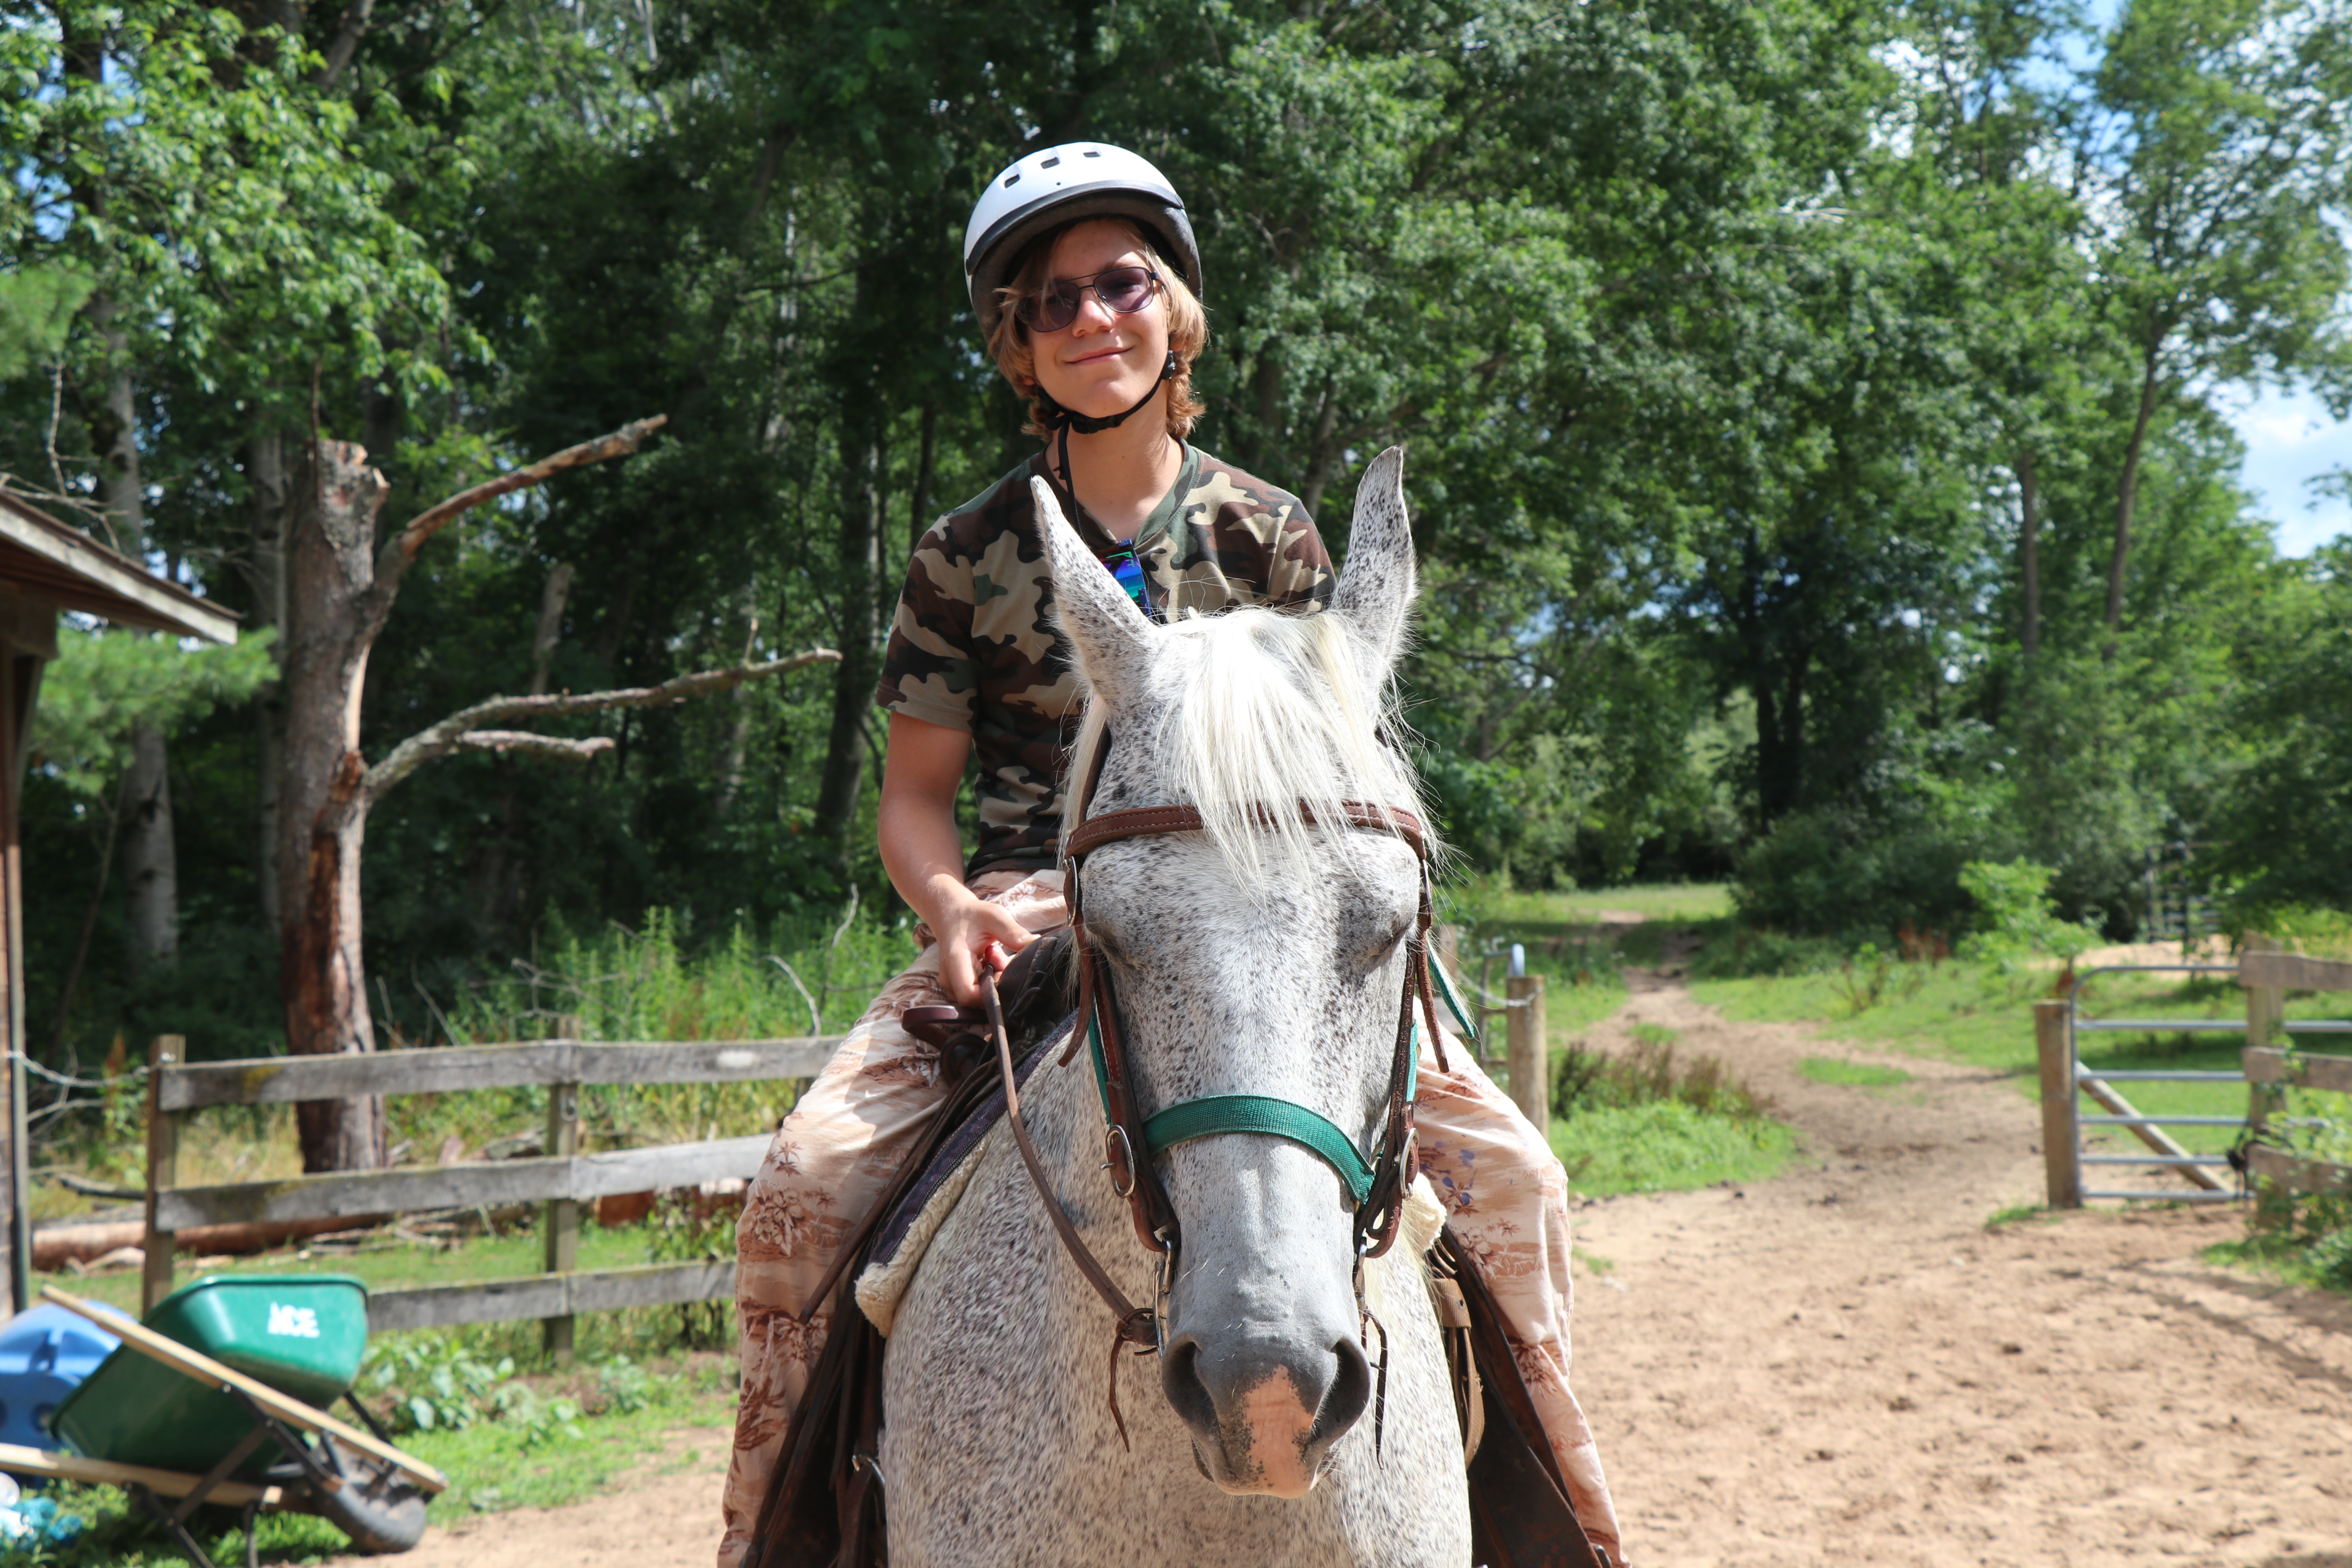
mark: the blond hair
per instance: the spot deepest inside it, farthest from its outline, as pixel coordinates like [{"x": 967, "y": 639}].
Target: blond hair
[{"x": 1188, "y": 328}]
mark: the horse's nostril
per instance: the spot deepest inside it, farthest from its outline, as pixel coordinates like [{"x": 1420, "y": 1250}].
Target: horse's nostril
[
  {"x": 1350, "y": 1392},
  {"x": 1179, "y": 1374}
]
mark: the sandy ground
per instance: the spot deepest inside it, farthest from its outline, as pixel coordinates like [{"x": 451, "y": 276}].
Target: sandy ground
[{"x": 1844, "y": 1366}]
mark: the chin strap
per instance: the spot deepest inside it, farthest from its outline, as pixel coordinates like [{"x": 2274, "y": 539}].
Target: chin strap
[{"x": 1062, "y": 421}]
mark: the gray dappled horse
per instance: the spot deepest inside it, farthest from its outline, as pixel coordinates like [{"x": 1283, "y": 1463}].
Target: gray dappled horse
[{"x": 1260, "y": 957}]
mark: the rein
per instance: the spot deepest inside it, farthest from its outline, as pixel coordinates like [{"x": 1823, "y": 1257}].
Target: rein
[{"x": 1378, "y": 1185}]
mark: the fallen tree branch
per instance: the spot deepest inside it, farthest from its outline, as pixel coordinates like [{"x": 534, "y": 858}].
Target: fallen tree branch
[
  {"x": 448, "y": 735},
  {"x": 550, "y": 746}
]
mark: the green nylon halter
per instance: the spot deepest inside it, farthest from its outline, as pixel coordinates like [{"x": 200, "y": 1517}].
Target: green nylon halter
[{"x": 1217, "y": 1113}]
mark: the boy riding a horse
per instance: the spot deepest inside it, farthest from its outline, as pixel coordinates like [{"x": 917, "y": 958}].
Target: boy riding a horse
[{"x": 1085, "y": 280}]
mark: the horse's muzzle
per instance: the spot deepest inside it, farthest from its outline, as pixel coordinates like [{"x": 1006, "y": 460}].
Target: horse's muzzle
[{"x": 1264, "y": 1408}]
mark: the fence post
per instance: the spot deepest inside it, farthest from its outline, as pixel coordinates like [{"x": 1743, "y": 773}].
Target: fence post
[
  {"x": 2265, "y": 1011},
  {"x": 2060, "y": 1149},
  {"x": 162, "y": 1169},
  {"x": 563, "y": 1213},
  {"x": 1531, "y": 1061}
]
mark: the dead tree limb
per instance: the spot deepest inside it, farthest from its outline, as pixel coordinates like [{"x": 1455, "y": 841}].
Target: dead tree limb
[
  {"x": 461, "y": 729},
  {"x": 426, "y": 524},
  {"x": 550, "y": 746}
]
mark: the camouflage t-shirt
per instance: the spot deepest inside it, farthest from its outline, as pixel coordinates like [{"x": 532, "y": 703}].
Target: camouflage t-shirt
[{"x": 973, "y": 648}]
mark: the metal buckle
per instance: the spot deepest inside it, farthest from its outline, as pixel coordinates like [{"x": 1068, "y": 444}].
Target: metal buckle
[{"x": 1120, "y": 1161}]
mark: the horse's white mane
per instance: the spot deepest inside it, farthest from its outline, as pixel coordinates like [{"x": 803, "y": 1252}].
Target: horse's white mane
[{"x": 1267, "y": 709}]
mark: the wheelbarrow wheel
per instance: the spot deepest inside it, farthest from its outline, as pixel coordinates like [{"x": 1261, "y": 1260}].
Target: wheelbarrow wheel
[{"x": 376, "y": 1506}]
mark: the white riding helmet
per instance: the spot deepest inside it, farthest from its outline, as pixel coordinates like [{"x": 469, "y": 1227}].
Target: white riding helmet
[{"x": 1060, "y": 185}]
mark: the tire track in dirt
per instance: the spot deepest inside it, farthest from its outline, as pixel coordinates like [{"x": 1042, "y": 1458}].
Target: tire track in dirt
[{"x": 1844, "y": 1365}]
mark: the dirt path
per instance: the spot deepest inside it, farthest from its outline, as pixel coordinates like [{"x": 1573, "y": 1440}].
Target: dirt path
[
  {"x": 663, "y": 1514},
  {"x": 1843, "y": 1366}
]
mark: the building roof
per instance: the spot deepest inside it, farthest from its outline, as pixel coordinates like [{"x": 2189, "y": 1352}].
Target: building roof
[{"x": 46, "y": 559}]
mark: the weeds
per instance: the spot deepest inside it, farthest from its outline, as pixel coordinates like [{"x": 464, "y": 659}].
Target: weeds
[{"x": 1585, "y": 1080}]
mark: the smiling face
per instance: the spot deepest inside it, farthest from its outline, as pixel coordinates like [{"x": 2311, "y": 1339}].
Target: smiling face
[{"x": 1101, "y": 362}]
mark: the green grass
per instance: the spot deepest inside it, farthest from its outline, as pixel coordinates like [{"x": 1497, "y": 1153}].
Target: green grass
[
  {"x": 1667, "y": 1146},
  {"x": 1664, "y": 903},
  {"x": 1980, "y": 1015},
  {"x": 1860, "y": 1075},
  {"x": 2320, "y": 1262}
]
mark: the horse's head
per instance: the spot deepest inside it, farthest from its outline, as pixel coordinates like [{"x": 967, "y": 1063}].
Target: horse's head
[{"x": 1262, "y": 957}]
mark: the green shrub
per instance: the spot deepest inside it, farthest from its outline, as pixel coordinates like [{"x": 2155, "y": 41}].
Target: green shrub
[
  {"x": 1831, "y": 873},
  {"x": 2014, "y": 919}
]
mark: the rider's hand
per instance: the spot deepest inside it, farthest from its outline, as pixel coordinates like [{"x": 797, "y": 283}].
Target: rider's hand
[{"x": 965, "y": 929}]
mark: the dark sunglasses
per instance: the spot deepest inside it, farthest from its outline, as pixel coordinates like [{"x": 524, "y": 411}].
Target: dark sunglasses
[{"x": 1122, "y": 289}]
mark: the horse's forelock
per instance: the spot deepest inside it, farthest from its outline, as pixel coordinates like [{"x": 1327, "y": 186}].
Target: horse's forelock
[{"x": 1258, "y": 708}]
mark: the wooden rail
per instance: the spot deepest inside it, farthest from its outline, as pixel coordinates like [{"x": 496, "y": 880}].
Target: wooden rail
[
  {"x": 276, "y": 1080},
  {"x": 562, "y": 1180},
  {"x": 2267, "y": 1064},
  {"x": 494, "y": 1184},
  {"x": 2298, "y": 1175}
]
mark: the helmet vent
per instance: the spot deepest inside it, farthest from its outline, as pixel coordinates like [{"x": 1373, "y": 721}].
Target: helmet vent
[
  {"x": 1013, "y": 179},
  {"x": 1093, "y": 153},
  {"x": 1051, "y": 164}
]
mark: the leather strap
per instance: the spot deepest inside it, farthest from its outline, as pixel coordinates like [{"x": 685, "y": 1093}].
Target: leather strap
[
  {"x": 1155, "y": 821},
  {"x": 1136, "y": 1325},
  {"x": 1083, "y": 1256}
]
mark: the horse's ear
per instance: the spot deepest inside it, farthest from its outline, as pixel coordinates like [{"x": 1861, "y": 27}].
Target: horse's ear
[
  {"x": 1113, "y": 642},
  {"x": 1376, "y": 586}
]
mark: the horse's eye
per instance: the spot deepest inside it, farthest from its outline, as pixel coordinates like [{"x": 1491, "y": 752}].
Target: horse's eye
[
  {"x": 1380, "y": 948},
  {"x": 1103, "y": 938}
]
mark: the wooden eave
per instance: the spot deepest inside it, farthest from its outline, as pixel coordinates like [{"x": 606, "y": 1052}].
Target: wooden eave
[{"x": 45, "y": 559}]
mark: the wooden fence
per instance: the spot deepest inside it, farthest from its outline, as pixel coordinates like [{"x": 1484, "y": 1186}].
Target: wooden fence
[
  {"x": 562, "y": 1178},
  {"x": 2269, "y": 1070}
]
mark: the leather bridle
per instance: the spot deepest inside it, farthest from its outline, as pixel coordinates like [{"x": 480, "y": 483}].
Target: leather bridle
[{"x": 1131, "y": 1138}]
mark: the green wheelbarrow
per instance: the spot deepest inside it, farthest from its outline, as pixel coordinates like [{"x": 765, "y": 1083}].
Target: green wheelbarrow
[{"x": 218, "y": 1397}]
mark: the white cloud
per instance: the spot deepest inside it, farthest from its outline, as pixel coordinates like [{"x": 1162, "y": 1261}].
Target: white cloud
[{"x": 2290, "y": 440}]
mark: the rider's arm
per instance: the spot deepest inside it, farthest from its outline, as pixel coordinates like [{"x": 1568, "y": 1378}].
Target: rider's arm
[{"x": 924, "y": 853}]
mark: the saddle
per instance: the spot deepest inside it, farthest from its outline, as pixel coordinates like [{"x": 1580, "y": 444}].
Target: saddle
[{"x": 824, "y": 1505}]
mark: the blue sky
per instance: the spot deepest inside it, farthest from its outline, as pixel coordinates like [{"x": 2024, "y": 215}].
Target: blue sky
[{"x": 2290, "y": 439}]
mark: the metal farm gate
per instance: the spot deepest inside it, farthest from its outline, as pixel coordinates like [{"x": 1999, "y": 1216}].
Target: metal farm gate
[{"x": 2060, "y": 1024}]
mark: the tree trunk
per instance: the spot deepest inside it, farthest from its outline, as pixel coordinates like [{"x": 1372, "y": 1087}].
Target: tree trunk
[
  {"x": 739, "y": 725},
  {"x": 150, "y": 867},
  {"x": 1780, "y": 738},
  {"x": 493, "y": 889},
  {"x": 853, "y": 690},
  {"x": 927, "y": 451},
  {"x": 1322, "y": 451},
  {"x": 1265, "y": 391},
  {"x": 323, "y": 821},
  {"x": 265, "y": 478},
  {"x": 2127, "y": 492},
  {"x": 2029, "y": 556}
]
